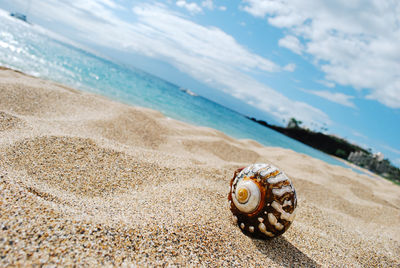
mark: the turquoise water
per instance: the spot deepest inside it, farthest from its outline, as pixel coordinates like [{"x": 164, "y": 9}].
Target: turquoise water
[{"x": 32, "y": 50}]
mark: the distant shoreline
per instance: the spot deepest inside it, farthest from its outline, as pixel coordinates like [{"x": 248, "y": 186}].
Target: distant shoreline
[
  {"x": 336, "y": 147},
  {"x": 366, "y": 171}
]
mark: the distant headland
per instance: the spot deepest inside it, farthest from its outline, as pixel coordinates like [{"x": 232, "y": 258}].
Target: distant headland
[{"x": 338, "y": 147}]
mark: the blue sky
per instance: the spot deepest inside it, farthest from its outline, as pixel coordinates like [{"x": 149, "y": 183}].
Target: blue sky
[{"x": 327, "y": 63}]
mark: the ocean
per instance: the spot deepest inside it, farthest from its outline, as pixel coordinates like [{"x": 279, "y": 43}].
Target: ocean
[{"x": 35, "y": 51}]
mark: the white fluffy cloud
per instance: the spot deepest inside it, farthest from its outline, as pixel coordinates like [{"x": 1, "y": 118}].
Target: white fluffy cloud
[
  {"x": 208, "y": 54},
  {"x": 336, "y": 97},
  {"x": 191, "y": 7},
  {"x": 194, "y": 8},
  {"x": 355, "y": 43},
  {"x": 290, "y": 67},
  {"x": 291, "y": 42}
]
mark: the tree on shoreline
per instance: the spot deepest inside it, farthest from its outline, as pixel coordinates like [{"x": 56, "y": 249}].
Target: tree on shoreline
[{"x": 293, "y": 123}]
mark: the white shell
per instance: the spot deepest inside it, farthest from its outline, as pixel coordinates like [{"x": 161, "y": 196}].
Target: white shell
[{"x": 254, "y": 196}]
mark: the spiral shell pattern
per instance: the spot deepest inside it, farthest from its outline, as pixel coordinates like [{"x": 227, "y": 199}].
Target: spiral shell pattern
[{"x": 262, "y": 200}]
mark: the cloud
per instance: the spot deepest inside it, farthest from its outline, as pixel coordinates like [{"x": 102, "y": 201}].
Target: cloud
[
  {"x": 290, "y": 67},
  {"x": 260, "y": 8},
  {"x": 208, "y": 54},
  {"x": 191, "y": 7},
  {"x": 208, "y": 4},
  {"x": 358, "y": 134},
  {"x": 292, "y": 43},
  {"x": 326, "y": 83},
  {"x": 111, "y": 4},
  {"x": 336, "y": 97},
  {"x": 183, "y": 41},
  {"x": 393, "y": 150},
  {"x": 195, "y": 8},
  {"x": 356, "y": 43}
]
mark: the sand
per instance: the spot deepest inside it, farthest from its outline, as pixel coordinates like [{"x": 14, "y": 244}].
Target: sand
[{"x": 85, "y": 180}]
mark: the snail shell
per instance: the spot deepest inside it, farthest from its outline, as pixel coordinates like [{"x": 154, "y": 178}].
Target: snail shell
[{"x": 262, "y": 200}]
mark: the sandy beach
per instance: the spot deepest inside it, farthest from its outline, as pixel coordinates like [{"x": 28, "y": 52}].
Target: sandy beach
[{"x": 89, "y": 181}]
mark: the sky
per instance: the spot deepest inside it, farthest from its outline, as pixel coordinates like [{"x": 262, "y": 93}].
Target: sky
[{"x": 330, "y": 64}]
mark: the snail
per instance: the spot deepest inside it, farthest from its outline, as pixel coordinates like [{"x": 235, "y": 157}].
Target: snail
[{"x": 262, "y": 200}]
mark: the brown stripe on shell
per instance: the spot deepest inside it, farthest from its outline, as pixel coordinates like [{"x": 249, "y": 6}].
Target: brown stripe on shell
[{"x": 286, "y": 196}]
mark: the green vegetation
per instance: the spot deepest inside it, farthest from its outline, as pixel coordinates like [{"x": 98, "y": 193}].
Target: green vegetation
[
  {"x": 327, "y": 143},
  {"x": 336, "y": 146},
  {"x": 340, "y": 153}
]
